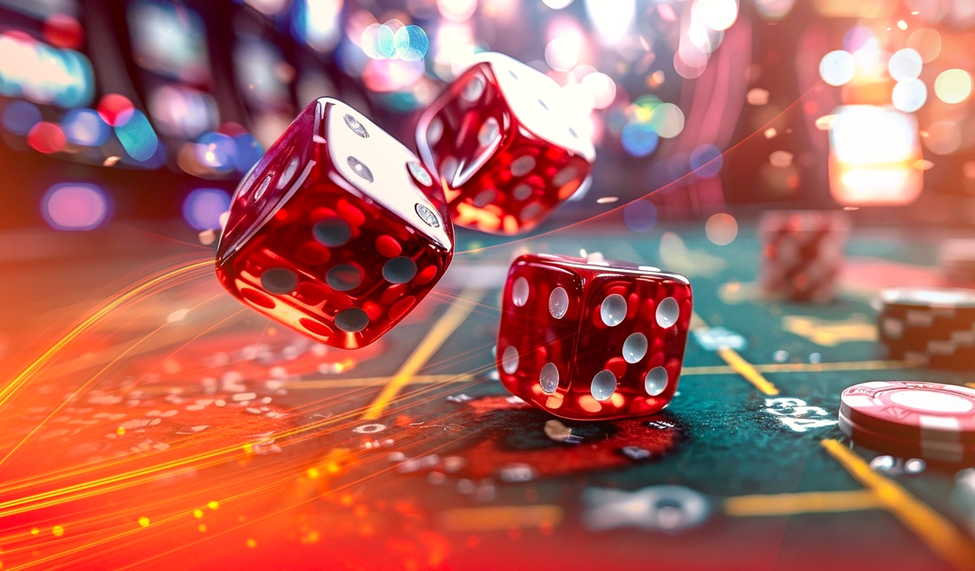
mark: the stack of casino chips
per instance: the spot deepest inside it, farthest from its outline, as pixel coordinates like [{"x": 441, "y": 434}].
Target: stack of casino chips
[
  {"x": 802, "y": 254},
  {"x": 911, "y": 419},
  {"x": 932, "y": 326},
  {"x": 958, "y": 262}
]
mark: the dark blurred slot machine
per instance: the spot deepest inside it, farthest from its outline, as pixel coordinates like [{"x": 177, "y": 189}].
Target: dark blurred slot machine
[
  {"x": 49, "y": 126},
  {"x": 172, "y": 53},
  {"x": 283, "y": 56}
]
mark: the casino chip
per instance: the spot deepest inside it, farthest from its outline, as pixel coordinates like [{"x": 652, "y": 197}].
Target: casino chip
[
  {"x": 926, "y": 420},
  {"x": 958, "y": 262},
  {"x": 933, "y": 326},
  {"x": 802, "y": 254}
]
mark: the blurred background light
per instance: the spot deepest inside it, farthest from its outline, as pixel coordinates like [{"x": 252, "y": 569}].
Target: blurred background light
[
  {"x": 216, "y": 151},
  {"x": 774, "y": 10},
  {"x": 36, "y": 71},
  {"x": 85, "y": 127},
  {"x": 269, "y": 7},
  {"x": 639, "y": 139},
  {"x": 611, "y": 19},
  {"x": 63, "y": 31},
  {"x": 47, "y": 138},
  {"x": 926, "y": 42},
  {"x": 20, "y": 116},
  {"x": 182, "y": 112},
  {"x": 169, "y": 40},
  {"x": 706, "y": 160},
  {"x": 905, "y": 64},
  {"x": 667, "y": 120},
  {"x": 909, "y": 95},
  {"x": 75, "y": 206},
  {"x": 457, "y": 10},
  {"x": 557, "y": 4},
  {"x": 115, "y": 109},
  {"x": 640, "y": 216},
  {"x": 411, "y": 43},
  {"x": 137, "y": 137},
  {"x": 721, "y": 229},
  {"x": 719, "y": 15},
  {"x": 249, "y": 151},
  {"x": 837, "y": 67},
  {"x": 203, "y": 206},
  {"x": 874, "y": 153},
  {"x": 953, "y": 85}
]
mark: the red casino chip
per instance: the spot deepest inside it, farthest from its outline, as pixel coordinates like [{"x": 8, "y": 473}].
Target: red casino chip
[
  {"x": 928, "y": 414},
  {"x": 946, "y": 452}
]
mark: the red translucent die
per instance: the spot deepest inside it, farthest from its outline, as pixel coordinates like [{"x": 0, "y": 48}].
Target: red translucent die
[
  {"x": 505, "y": 144},
  {"x": 338, "y": 232},
  {"x": 592, "y": 341}
]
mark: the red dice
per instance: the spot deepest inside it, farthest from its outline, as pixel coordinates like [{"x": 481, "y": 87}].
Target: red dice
[
  {"x": 592, "y": 341},
  {"x": 505, "y": 146},
  {"x": 338, "y": 232}
]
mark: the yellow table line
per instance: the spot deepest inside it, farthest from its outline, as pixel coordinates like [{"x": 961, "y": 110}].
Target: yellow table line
[
  {"x": 800, "y": 367},
  {"x": 808, "y": 502},
  {"x": 447, "y": 324},
  {"x": 931, "y": 527},
  {"x": 737, "y": 363},
  {"x": 374, "y": 381},
  {"x": 747, "y": 370}
]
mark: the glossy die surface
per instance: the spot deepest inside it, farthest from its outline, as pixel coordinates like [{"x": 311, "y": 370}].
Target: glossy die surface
[
  {"x": 336, "y": 232},
  {"x": 590, "y": 341},
  {"x": 505, "y": 146}
]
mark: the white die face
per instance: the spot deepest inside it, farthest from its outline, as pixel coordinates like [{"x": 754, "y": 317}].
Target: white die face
[
  {"x": 535, "y": 99},
  {"x": 379, "y": 167}
]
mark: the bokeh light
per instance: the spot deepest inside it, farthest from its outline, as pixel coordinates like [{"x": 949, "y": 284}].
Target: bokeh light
[
  {"x": 557, "y": 4},
  {"x": 457, "y": 10},
  {"x": 905, "y": 64},
  {"x": 411, "y": 43},
  {"x": 216, "y": 151},
  {"x": 85, "y": 127},
  {"x": 837, "y": 67},
  {"x": 137, "y": 137},
  {"x": 115, "y": 109},
  {"x": 943, "y": 137},
  {"x": 721, "y": 229},
  {"x": 249, "y": 151},
  {"x": 602, "y": 87},
  {"x": 639, "y": 139},
  {"x": 182, "y": 111},
  {"x": 640, "y": 216},
  {"x": 774, "y": 10},
  {"x": 202, "y": 208},
  {"x": 719, "y": 15},
  {"x": 909, "y": 95},
  {"x": 317, "y": 22},
  {"x": 63, "y": 31},
  {"x": 926, "y": 42},
  {"x": 953, "y": 85},
  {"x": 33, "y": 70},
  {"x": 19, "y": 117},
  {"x": 47, "y": 138},
  {"x": 667, "y": 119},
  {"x": 611, "y": 19},
  {"x": 706, "y": 160},
  {"x": 75, "y": 206}
]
